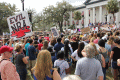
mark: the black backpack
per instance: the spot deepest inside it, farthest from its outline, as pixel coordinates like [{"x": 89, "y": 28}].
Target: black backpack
[{"x": 58, "y": 68}]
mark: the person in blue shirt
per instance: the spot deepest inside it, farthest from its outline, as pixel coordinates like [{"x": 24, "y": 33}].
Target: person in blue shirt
[
  {"x": 58, "y": 46},
  {"x": 26, "y": 47},
  {"x": 32, "y": 54}
]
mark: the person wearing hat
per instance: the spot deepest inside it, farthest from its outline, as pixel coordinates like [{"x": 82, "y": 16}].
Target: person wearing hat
[
  {"x": 88, "y": 68},
  {"x": 7, "y": 68}
]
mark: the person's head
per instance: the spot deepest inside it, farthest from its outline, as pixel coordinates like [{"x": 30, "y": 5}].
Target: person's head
[
  {"x": 116, "y": 41},
  {"x": 116, "y": 33},
  {"x": 45, "y": 44},
  {"x": 40, "y": 40},
  {"x": 50, "y": 49},
  {"x": 59, "y": 40},
  {"x": 90, "y": 51},
  {"x": 60, "y": 54},
  {"x": 27, "y": 41},
  {"x": 96, "y": 52},
  {"x": 84, "y": 38},
  {"x": 101, "y": 43},
  {"x": 80, "y": 48},
  {"x": 53, "y": 42},
  {"x": 72, "y": 77},
  {"x": 111, "y": 40},
  {"x": 18, "y": 48},
  {"x": 92, "y": 39},
  {"x": 98, "y": 34},
  {"x": 36, "y": 38},
  {"x": 6, "y": 51},
  {"x": 31, "y": 41},
  {"x": 36, "y": 46},
  {"x": 35, "y": 42},
  {"x": 48, "y": 35},
  {"x": 43, "y": 65}
]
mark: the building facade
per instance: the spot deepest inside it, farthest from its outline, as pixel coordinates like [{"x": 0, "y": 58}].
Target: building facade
[{"x": 92, "y": 11}]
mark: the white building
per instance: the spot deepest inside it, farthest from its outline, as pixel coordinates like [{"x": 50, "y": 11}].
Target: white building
[{"x": 94, "y": 11}]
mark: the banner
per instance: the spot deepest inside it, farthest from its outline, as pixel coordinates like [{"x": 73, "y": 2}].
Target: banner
[
  {"x": 19, "y": 25},
  {"x": 55, "y": 32}
]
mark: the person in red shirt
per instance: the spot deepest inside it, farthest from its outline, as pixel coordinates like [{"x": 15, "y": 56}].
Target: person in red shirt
[{"x": 40, "y": 44}]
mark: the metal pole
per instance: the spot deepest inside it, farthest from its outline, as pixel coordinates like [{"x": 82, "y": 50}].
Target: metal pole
[{"x": 23, "y": 5}]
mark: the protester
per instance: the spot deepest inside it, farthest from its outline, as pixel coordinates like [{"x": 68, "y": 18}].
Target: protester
[
  {"x": 62, "y": 64},
  {"x": 88, "y": 68},
  {"x": 21, "y": 62},
  {"x": 74, "y": 44},
  {"x": 58, "y": 46},
  {"x": 7, "y": 68},
  {"x": 32, "y": 54},
  {"x": 40, "y": 45},
  {"x": 104, "y": 52},
  {"x": 77, "y": 53},
  {"x": 115, "y": 56},
  {"x": 45, "y": 45},
  {"x": 43, "y": 67},
  {"x": 98, "y": 38}
]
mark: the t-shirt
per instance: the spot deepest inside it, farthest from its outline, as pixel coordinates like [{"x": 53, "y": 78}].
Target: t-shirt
[
  {"x": 31, "y": 52},
  {"x": 39, "y": 46},
  {"x": 116, "y": 54},
  {"x": 19, "y": 62},
  {"x": 108, "y": 47},
  {"x": 75, "y": 54},
  {"x": 57, "y": 47},
  {"x": 63, "y": 65},
  {"x": 88, "y": 69},
  {"x": 26, "y": 48}
]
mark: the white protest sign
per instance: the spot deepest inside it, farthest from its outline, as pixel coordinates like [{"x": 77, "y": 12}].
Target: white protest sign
[
  {"x": 19, "y": 25},
  {"x": 55, "y": 32}
]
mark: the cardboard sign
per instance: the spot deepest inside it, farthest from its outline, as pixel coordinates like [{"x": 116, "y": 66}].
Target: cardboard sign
[
  {"x": 19, "y": 25},
  {"x": 87, "y": 29},
  {"x": 55, "y": 32}
]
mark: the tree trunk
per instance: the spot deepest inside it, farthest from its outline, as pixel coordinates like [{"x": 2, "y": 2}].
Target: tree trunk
[
  {"x": 60, "y": 26},
  {"x": 113, "y": 18}
]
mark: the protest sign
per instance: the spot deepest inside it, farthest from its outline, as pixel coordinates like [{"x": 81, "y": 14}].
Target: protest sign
[
  {"x": 19, "y": 25},
  {"x": 55, "y": 32},
  {"x": 84, "y": 30}
]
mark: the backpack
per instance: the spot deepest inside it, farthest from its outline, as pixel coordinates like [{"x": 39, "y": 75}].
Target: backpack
[{"x": 58, "y": 68}]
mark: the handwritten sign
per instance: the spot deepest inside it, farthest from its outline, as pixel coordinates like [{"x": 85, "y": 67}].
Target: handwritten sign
[{"x": 19, "y": 25}]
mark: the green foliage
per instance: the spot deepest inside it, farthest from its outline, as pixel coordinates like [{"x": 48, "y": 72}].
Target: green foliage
[
  {"x": 55, "y": 14},
  {"x": 6, "y": 10},
  {"x": 77, "y": 15},
  {"x": 112, "y": 6},
  {"x": 71, "y": 27}
]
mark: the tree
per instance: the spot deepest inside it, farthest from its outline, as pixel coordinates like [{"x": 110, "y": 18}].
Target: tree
[
  {"x": 112, "y": 7},
  {"x": 77, "y": 15},
  {"x": 56, "y": 13},
  {"x": 6, "y": 10}
]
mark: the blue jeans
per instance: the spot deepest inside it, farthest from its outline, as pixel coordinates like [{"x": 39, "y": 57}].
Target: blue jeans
[
  {"x": 22, "y": 73},
  {"x": 104, "y": 72}
]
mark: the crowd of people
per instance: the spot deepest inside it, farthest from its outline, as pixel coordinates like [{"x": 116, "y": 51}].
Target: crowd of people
[{"x": 53, "y": 58}]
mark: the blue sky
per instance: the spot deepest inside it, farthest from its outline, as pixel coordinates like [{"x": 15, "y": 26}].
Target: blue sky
[{"x": 38, "y": 5}]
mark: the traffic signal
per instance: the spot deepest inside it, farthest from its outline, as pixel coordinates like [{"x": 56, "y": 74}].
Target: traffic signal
[{"x": 30, "y": 16}]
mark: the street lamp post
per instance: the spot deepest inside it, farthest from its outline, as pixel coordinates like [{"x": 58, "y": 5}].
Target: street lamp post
[{"x": 22, "y": 4}]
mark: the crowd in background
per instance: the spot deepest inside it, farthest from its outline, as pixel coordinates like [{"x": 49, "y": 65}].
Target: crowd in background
[{"x": 48, "y": 57}]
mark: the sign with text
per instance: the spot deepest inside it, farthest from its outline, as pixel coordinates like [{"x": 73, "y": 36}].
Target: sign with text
[
  {"x": 55, "y": 32},
  {"x": 19, "y": 25}
]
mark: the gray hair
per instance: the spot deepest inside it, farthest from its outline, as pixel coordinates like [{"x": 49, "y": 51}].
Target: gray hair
[
  {"x": 72, "y": 77},
  {"x": 90, "y": 51}
]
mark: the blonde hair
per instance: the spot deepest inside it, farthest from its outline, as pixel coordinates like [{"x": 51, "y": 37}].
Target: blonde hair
[
  {"x": 92, "y": 39},
  {"x": 111, "y": 40},
  {"x": 43, "y": 65},
  {"x": 96, "y": 52}
]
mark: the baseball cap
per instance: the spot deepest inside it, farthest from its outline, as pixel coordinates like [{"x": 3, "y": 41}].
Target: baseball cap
[{"x": 5, "y": 49}]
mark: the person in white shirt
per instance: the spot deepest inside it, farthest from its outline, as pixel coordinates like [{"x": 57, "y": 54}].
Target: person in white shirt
[
  {"x": 76, "y": 55},
  {"x": 62, "y": 64}
]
